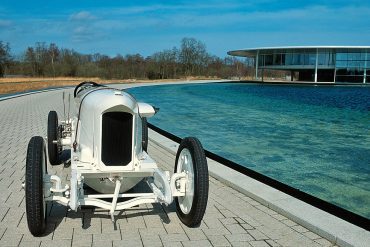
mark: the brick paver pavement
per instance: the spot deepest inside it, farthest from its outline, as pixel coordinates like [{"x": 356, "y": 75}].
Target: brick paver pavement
[{"x": 231, "y": 219}]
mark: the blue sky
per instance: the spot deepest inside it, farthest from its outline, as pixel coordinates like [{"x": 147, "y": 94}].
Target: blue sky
[{"x": 113, "y": 26}]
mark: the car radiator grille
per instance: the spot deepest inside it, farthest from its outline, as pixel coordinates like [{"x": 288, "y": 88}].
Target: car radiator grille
[{"x": 116, "y": 138}]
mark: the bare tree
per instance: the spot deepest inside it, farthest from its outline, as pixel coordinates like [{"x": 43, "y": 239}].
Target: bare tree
[
  {"x": 53, "y": 52},
  {"x": 192, "y": 55},
  {"x": 5, "y": 57},
  {"x": 69, "y": 62},
  {"x": 191, "y": 58},
  {"x": 30, "y": 60}
]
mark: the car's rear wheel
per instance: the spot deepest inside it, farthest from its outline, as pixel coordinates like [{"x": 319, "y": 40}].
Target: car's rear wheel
[
  {"x": 34, "y": 187},
  {"x": 54, "y": 149},
  {"x": 191, "y": 159}
]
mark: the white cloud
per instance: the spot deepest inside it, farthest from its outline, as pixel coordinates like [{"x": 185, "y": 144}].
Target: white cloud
[
  {"x": 176, "y": 8},
  {"x": 82, "y": 16},
  {"x": 82, "y": 26},
  {"x": 196, "y": 16}
]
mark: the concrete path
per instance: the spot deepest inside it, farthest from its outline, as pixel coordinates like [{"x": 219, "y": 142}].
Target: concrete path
[{"x": 232, "y": 218}]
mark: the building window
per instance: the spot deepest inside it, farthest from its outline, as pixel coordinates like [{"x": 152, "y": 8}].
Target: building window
[
  {"x": 326, "y": 59},
  {"x": 350, "y": 67},
  {"x": 268, "y": 60}
]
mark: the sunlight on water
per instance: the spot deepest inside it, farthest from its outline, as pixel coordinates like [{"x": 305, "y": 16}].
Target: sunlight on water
[{"x": 316, "y": 139}]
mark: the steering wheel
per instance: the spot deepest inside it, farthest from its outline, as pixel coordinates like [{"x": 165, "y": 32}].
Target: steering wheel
[{"x": 82, "y": 85}]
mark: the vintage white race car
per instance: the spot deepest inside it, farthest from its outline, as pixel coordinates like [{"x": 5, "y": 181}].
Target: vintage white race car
[{"x": 108, "y": 139}]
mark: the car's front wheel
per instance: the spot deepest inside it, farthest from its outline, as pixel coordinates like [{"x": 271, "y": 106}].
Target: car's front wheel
[{"x": 191, "y": 159}]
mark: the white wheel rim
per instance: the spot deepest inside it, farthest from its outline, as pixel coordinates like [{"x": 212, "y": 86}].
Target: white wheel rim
[{"x": 185, "y": 164}]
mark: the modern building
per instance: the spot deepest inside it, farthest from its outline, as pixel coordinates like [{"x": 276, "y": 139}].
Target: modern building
[{"x": 313, "y": 63}]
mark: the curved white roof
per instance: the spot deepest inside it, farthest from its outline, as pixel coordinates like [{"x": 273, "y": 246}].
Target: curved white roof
[{"x": 251, "y": 52}]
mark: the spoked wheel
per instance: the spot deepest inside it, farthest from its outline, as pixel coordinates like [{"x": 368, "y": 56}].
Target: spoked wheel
[
  {"x": 35, "y": 200},
  {"x": 190, "y": 158},
  {"x": 144, "y": 124},
  {"x": 54, "y": 150}
]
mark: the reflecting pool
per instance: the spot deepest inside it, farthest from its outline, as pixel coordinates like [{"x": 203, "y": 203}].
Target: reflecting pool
[{"x": 314, "y": 138}]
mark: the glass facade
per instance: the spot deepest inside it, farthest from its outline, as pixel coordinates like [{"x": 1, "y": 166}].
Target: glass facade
[
  {"x": 331, "y": 64},
  {"x": 351, "y": 66},
  {"x": 297, "y": 59}
]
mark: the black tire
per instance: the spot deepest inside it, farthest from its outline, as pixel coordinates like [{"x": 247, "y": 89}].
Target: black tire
[
  {"x": 144, "y": 124},
  {"x": 53, "y": 149},
  {"x": 35, "y": 202},
  {"x": 201, "y": 182}
]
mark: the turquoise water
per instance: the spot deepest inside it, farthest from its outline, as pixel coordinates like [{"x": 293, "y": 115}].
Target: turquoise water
[{"x": 315, "y": 139}]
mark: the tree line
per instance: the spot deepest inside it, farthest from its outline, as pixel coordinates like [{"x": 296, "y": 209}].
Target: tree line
[{"x": 190, "y": 59}]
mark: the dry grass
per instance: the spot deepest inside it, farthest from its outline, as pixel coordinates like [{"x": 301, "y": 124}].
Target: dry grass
[
  {"x": 21, "y": 84},
  {"x": 13, "y": 85}
]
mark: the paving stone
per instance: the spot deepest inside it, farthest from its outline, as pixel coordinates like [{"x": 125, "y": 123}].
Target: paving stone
[
  {"x": 195, "y": 233},
  {"x": 100, "y": 243},
  {"x": 279, "y": 217},
  {"x": 107, "y": 236},
  {"x": 2, "y": 231},
  {"x": 152, "y": 221},
  {"x": 135, "y": 220},
  {"x": 257, "y": 235},
  {"x": 126, "y": 229},
  {"x": 82, "y": 239},
  {"x": 299, "y": 229},
  {"x": 259, "y": 244},
  {"x": 133, "y": 243},
  {"x": 311, "y": 235},
  {"x": 213, "y": 223},
  {"x": 131, "y": 236},
  {"x": 172, "y": 244},
  {"x": 323, "y": 242},
  {"x": 10, "y": 239},
  {"x": 240, "y": 244},
  {"x": 235, "y": 228},
  {"x": 63, "y": 233},
  {"x": 228, "y": 221},
  {"x": 96, "y": 229},
  {"x": 34, "y": 243},
  {"x": 13, "y": 216},
  {"x": 247, "y": 226},
  {"x": 227, "y": 213},
  {"x": 56, "y": 243},
  {"x": 174, "y": 237},
  {"x": 241, "y": 237},
  {"x": 151, "y": 240},
  {"x": 196, "y": 243},
  {"x": 249, "y": 220},
  {"x": 110, "y": 228},
  {"x": 151, "y": 231},
  {"x": 266, "y": 210},
  {"x": 276, "y": 231},
  {"x": 289, "y": 222},
  {"x": 215, "y": 231},
  {"x": 173, "y": 228},
  {"x": 295, "y": 239},
  {"x": 219, "y": 240},
  {"x": 272, "y": 243}
]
